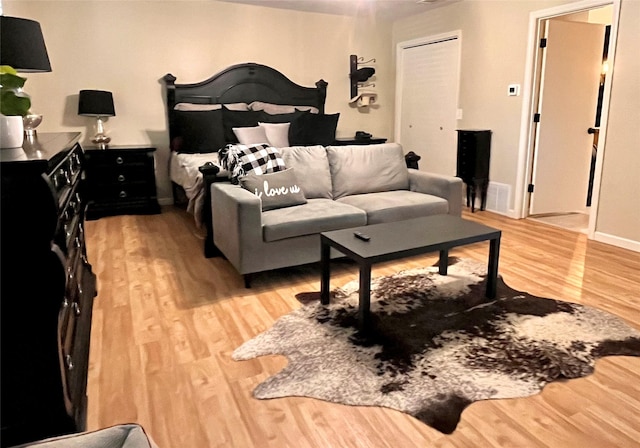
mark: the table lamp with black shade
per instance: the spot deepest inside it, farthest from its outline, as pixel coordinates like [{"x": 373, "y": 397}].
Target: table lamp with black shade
[
  {"x": 22, "y": 49},
  {"x": 99, "y": 104}
]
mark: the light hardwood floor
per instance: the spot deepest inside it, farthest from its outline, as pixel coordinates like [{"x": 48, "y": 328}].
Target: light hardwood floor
[{"x": 166, "y": 321}]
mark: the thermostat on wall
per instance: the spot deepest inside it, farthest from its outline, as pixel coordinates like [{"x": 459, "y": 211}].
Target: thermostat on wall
[{"x": 514, "y": 90}]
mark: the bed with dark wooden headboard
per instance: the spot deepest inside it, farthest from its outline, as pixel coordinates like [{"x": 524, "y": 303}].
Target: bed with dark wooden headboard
[{"x": 201, "y": 115}]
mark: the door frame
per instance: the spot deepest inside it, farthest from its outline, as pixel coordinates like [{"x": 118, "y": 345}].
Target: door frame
[
  {"x": 426, "y": 40},
  {"x": 529, "y": 102}
]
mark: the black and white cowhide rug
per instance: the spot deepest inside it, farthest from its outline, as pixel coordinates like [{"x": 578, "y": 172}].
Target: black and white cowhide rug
[{"x": 435, "y": 344}]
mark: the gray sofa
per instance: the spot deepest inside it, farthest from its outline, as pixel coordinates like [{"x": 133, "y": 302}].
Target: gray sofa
[{"x": 344, "y": 186}]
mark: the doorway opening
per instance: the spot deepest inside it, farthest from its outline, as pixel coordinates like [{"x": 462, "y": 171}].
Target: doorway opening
[
  {"x": 568, "y": 109},
  {"x": 558, "y": 178}
]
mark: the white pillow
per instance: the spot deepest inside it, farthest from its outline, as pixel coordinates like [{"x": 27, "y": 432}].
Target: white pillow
[
  {"x": 277, "y": 133},
  {"x": 251, "y": 135},
  {"x": 275, "y": 109}
]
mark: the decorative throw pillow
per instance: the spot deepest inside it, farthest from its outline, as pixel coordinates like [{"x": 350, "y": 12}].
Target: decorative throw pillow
[
  {"x": 277, "y": 133},
  {"x": 201, "y": 131},
  {"x": 275, "y": 190},
  {"x": 241, "y": 160},
  {"x": 314, "y": 129},
  {"x": 282, "y": 118},
  {"x": 251, "y": 135},
  {"x": 238, "y": 119}
]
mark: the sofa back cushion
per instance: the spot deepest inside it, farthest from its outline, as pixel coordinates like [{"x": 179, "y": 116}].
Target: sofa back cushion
[
  {"x": 358, "y": 169},
  {"x": 312, "y": 169}
]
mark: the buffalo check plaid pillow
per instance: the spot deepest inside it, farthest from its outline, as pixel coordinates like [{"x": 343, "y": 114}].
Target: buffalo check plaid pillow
[{"x": 241, "y": 160}]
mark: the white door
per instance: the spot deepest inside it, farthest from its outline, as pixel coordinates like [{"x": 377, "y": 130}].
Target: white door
[
  {"x": 571, "y": 69},
  {"x": 427, "y": 91}
]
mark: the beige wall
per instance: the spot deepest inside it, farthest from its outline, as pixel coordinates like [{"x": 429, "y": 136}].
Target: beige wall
[
  {"x": 494, "y": 39},
  {"x": 619, "y": 212},
  {"x": 127, "y": 46}
]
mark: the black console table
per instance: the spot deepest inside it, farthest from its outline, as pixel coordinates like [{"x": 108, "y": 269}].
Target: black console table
[
  {"x": 47, "y": 289},
  {"x": 474, "y": 153}
]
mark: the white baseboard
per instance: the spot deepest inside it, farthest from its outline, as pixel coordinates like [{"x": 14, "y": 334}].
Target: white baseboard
[{"x": 617, "y": 241}]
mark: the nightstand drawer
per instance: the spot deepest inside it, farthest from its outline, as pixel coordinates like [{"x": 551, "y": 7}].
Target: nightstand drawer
[
  {"x": 122, "y": 193},
  {"x": 115, "y": 158},
  {"x": 119, "y": 175}
]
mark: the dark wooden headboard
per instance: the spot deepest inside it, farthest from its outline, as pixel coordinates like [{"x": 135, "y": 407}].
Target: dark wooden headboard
[{"x": 242, "y": 83}]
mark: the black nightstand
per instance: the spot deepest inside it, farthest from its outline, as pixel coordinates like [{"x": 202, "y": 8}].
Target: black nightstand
[
  {"x": 343, "y": 141},
  {"x": 120, "y": 180}
]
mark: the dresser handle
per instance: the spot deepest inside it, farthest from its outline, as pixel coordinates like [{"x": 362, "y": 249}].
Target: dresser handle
[
  {"x": 123, "y": 194},
  {"x": 119, "y": 160},
  {"x": 65, "y": 303},
  {"x": 76, "y": 308},
  {"x": 69, "y": 361},
  {"x": 121, "y": 178},
  {"x": 77, "y": 243}
]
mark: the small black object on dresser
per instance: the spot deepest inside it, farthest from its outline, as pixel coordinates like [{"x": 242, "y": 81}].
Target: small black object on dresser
[
  {"x": 120, "y": 180},
  {"x": 474, "y": 153},
  {"x": 47, "y": 289}
]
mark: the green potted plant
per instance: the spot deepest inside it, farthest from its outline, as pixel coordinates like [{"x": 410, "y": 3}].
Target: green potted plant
[{"x": 14, "y": 104}]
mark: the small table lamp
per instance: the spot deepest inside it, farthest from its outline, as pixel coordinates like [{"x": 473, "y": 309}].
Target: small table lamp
[
  {"x": 97, "y": 103},
  {"x": 22, "y": 47}
]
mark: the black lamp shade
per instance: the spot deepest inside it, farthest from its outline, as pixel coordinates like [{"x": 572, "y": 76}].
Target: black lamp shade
[
  {"x": 96, "y": 103},
  {"x": 22, "y": 45}
]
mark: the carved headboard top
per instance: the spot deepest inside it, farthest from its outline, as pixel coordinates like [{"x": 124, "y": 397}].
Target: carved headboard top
[{"x": 242, "y": 83}]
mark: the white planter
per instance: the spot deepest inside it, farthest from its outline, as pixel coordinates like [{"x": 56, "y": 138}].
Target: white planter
[{"x": 11, "y": 132}]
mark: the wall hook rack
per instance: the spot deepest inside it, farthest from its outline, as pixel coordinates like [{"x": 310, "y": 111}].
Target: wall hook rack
[
  {"x": 359, "y": 75},
  {"x": 361, "y": 60}
]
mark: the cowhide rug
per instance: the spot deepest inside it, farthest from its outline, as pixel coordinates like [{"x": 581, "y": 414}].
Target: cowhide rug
[{"x": 435, "y": 344}]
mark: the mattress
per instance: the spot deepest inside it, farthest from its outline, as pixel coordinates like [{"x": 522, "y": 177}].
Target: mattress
[{"x": 183, "y": 170}]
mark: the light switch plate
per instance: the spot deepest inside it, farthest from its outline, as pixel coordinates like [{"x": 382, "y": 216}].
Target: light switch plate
[
  {"x": 514, "y": 90},
  {"x": 459, "y": 114}
]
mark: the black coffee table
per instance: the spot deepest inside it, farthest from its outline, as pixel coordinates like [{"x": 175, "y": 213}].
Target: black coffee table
[{"x": 390, "y": 241}]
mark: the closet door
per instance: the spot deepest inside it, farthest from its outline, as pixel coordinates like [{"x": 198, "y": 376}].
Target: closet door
[{"x": 427, "y": 99}]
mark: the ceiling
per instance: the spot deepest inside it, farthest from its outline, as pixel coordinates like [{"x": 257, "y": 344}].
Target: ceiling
[{"x": 382, "y": 9}]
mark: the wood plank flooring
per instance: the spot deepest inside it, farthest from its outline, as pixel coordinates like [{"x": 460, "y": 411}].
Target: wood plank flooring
[{"x": 166, "y": 321}]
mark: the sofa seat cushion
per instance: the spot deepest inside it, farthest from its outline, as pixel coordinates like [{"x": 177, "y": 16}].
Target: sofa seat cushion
[
  {"x": 317, "y": 215},
  {"x": 389, "y": 206}
]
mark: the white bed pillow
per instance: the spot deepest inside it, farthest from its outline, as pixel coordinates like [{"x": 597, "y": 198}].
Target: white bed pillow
[
  {"x": 277, "y": 133},
  {"x": 275, "y": 109},
  {"x": 251, "y": 135}
]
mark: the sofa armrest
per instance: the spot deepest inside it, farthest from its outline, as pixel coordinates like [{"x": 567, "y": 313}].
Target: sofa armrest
[
  {"x": 237, "y": 221},
  {"x": 446, "y": 187}
]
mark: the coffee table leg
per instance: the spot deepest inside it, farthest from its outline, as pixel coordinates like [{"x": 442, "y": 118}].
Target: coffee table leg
[
  {"x": 325, "y": 269},
  {"x": 443, "y": 263},
  {"x": 365, "y": 295},
  {"x": 492, "y": 269}
]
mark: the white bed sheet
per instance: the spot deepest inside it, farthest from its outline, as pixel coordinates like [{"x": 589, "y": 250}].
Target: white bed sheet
[{"x": 183, "y": 170}]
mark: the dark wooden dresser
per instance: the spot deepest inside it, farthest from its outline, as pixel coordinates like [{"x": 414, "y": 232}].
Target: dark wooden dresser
[
  {"x": 121, "y": 180},
  {"x": 474, "y": 153},
  {"x": 47, "y": 290}
]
